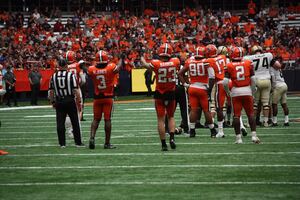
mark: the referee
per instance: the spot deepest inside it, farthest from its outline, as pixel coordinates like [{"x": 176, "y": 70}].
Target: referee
[{"x": 65, "y": 98}]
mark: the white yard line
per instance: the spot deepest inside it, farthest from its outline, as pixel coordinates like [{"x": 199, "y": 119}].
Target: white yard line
[
  {"x": 152, "y": 183},
  {"x": 144, "y": 166},
  {"x": 145, "y": 144},
  {"x": 153, "y": 154}
]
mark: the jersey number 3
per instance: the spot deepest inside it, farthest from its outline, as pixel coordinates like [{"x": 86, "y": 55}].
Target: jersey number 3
[{"x": 102, "y": 83}]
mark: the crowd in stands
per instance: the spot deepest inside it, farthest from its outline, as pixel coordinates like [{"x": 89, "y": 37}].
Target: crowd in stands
[{"x": 130, "y": 35}]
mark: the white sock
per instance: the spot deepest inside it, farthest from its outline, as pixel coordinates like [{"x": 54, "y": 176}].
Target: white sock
[
  {"x": 266, "y": 119},
  {"x": 192, "y": 125},
  {"x": 275, "y": 119},
  {"x": 239, "y": 136},
  {"x": 220, "y": 124},
  {"x": 286, "y": 119},
  {"x": 211, "y": 126},
  {"x": 253, "y": 133},
  {"x": 241, "y": 122}
]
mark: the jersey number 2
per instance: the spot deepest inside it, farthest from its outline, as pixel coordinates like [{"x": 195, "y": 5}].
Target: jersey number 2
[{"x": 240, "y": 73}]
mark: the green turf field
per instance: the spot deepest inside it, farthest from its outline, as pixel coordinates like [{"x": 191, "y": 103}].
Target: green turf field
[{"x": 200, "y": 168}]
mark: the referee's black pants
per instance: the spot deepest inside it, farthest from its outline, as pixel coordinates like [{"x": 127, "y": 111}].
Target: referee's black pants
[
  {"x": 181, "y": 99},
  {"x": 62, "y": 110}
]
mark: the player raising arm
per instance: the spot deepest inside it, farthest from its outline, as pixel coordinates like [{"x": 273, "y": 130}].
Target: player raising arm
[
  {"x": 165, "y": 69},
  {"x": 242, "y": 75}
]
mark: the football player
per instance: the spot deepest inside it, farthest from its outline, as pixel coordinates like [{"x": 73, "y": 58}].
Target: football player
[
  {"x": 279, "y": 88},
  {"x": 202, "y": 78},
  {"x": 261, "y": 62},
  {"x": 77, "y": 69},
  {"x": 217, "y": 62},
  {"x": 103, "y": 75},
  {"x": 165, "y": 69},
  {"x": 241, "y": 74}
]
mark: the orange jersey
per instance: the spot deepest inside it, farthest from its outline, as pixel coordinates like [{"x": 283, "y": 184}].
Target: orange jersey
[
  {"x": 218, "y": 63},
  {"x": 103, "y": 79},
  {"x": 197, "y": 70},
  {"x": 240, "y": 73},
  {"x": 165, "y": 73},
  {"x": 75, "y": 69}
]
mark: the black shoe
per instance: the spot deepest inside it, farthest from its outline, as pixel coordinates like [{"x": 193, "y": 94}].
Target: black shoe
[
  {"x": 192, "y": 133},
  {"x": 109, "y": 146},
  {"x": 286, "y": 124},
  {"x": 213, "y": 133},
  {"x": 92, "y": 144},
  {"x": 244, "y": 132},
  {"x": 164, "y": 148},
  {"x": 172, "y": 144},
  {"x": 80, "y": 145},
  {"x": 270, "y": 121},
  {"x": 227, "y": 124},
  {"x": 258, "y": 123},
  {"x": 83, "y": 120},
  {"x": 274, "y": 125}
]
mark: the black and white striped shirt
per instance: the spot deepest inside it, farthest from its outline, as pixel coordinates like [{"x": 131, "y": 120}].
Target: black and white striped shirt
[{"x": 63, "y": 83}]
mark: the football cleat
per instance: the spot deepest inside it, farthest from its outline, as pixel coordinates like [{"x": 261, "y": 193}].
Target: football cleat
[
  {"x": 255, "y": 139},
  {"x": 62, "y": 146},
  {"x": 109, "y": 146},
  {"x": 213, "y": 133},
  {"x": 220, "y": 135},
  {"x": 244, "y": 132},
  {"x": 70, "y": 133},
  {"x": 286, "y": 124},
  {"x": 172, "y": 144},
  {"x": 274, "y": 125},
  {"x": 238, "y": 140},
  {"x": 80, "y": 145},
  {"x": 192, "y": 133},
  {"x": 258, "y": 123},
  {"x": 164, "y": 147},
  {"x": 92, "y": 143},
  {"x": 199, "y": 125},
  {"x": 178, "y": 131},
  {"x": 266, "y": 124}
]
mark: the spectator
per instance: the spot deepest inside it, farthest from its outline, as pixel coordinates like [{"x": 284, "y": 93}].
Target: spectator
[
  {"x": 35, "y": 80},
  {"x": 10, "y": 81}
]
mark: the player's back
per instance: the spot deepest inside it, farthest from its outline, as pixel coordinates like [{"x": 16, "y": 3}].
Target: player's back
[
  {"x": 165, "y": 74},
  {"x": 278, "y": 76},
  {"x": 75, "y": 69},
  {"x": 103, "y": 79},
  {"x": 240, "y": 73},
  {"x": 218, "y": 63},
  {"x": 198, "y": 72},
  {"x": 261, "y": 63}
]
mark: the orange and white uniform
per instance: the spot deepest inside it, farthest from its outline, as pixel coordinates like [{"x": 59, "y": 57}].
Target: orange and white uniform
[
  {"x": 165, "y": 73},
  {"x": 103, "y": 80},
  {"x": 240, "y": 73},
  {"x": 218, "y": 63},
  {"x": 199, "y": 72}
]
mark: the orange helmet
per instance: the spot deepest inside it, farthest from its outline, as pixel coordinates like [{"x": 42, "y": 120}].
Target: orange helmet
[
  {"x": 102, "y": 57},
  {"x": 199, "y": 52},
  {"x": 237, "y": 53},
  {"x": 165, "y": 50},
  {"x": 211, "y": 51},
  {"x": 70, "y": 56}
]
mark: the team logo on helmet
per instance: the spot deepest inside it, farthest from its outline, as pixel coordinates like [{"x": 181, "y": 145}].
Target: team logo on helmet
[{"x": 211, "y": 51}]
